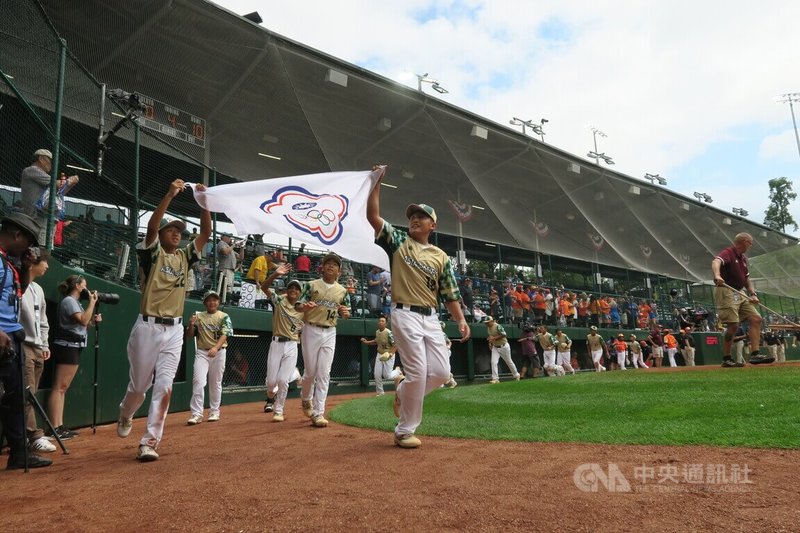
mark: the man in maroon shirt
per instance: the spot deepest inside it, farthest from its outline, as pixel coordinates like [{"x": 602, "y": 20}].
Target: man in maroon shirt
[{"x": 731, "y": 278}]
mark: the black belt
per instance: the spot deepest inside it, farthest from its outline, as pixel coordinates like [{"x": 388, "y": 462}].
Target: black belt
[
  {"x": 166, "y": 320},
  {"x": 320, "y": 325},
  {"x": 427, "y": 311},
  {"x": 278, "y": 338}
]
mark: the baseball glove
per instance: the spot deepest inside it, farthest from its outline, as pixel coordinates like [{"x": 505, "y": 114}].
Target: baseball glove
[{"x": 385, "y": 356}]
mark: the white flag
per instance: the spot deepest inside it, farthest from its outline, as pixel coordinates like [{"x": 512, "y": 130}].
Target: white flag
[{"x": 327, "y": 211}]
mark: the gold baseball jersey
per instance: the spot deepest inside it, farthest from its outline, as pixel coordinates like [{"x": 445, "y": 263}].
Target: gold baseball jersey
[
  {"x": 384, "y": 340},
  {"x": 595, "y": 342},
  {"x": 286, "y": 321},
  {"x": 210, "y": 327},
  {"x": 328, "y": 299},
  {"x": 562, "y": 338},
  {"x": 164, "y": 278},
  {"x": 547, "y": 341},
  {"x": 497, "y": 330},
  {"x": 635, "y": 347},
  {"x": 420, "y": 273}
]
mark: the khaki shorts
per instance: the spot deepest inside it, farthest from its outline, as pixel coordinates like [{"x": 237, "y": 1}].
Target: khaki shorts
[{"x": 732, "y": 307}]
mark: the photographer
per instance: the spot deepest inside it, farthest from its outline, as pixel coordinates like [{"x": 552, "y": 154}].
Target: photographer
[
  {"x": 70, "y": 340},
  {"x": 18, "y": 233},
  {"x": 227, "y": 257}
]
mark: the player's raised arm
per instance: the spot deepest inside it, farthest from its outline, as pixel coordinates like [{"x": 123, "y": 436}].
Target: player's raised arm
[{"x": 374, "y": 205}]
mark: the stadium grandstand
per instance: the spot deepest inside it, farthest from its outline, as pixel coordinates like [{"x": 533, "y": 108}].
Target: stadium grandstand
[{"x": 218, "y": 99}]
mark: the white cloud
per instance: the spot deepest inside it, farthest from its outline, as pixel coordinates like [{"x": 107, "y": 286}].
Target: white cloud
[{"x": 779, "y": 146}]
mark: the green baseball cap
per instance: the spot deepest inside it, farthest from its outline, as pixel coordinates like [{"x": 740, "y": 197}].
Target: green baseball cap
[{"x": 420, "y": 208}]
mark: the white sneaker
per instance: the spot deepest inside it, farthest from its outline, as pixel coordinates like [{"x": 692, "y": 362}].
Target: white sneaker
[
  {"x": 146, "y": 454},
  {"x": 41, "y": 445},
  {"x": 278, "y": 417},
  {"x": 214, "y": 417},
  {"x": 124, "y": 426},
  {"x": 194, "y": 420}
]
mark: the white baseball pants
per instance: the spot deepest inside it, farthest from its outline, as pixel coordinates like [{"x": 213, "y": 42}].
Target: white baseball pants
[
  {"x": 426, "y": 363},
  {"x": 638, "y": 360},
  {"x": 319, "y": 345},
  {"x": 621, "y": 356},
  {"x": 211, "y": 368},
  {"x": 550, "y": 359},
  {"x": 281, "y": 369},
  {"x": 504, "y": 352},
  {"x": 564, "y": 361},
  {"x": 383, "y": 370},
  {"x": 597, "y": 356},
  {"x": 671, "y": 355},
  {"x": 153, "y": 350}
]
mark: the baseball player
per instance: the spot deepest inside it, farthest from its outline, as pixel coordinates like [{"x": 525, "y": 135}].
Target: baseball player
[
  {"x": 421, "y": 275},
  {"x": 596, "y": 346},
  {"x": 287, "y": 322},
  {"x": 636, "y": 353},
  {"x": 450, "y": 383},
  {"x": 212, "y": 328},
  {"x": 548, "y": 343},
  {"x": 155, "y": 342},
  {"x": 496, "y": 336},
  {"x": 384, "y": 360},
  {"x": 621, "y": 349},
  {"x": 564, "y": 351},
  {"x": 671, "y": 346},
  {"x": 322, "y": 301}
]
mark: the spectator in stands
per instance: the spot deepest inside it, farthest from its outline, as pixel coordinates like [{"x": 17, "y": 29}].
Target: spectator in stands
[
  {"x": 613, "y": 313},
  {"x": 550, "y": 307},
  {"x": 644, "y": 314},
  {"x": 653, "y": 315},
  {"x": 63, "y": 185},
  {"x": 605, "y": 312},
  {"x": 227, "y": 258},
  {"x": 583, "y": 312},
  {"x": 33, "y": 317},
  {"x": 467, "y": 299},
  {"x": 260, "y": 268},
  {"x": 633, "y": 313},
  {"x": 508, "y": 298},
  {"x": 374, "y": 290},
  {"x": 494, "y": 303},
  {"x": 302, "y": 264},
  {"x": 33, "y": 182},
  {"x": 594, "y": 310},
  {"x": 70, "y": 340}
]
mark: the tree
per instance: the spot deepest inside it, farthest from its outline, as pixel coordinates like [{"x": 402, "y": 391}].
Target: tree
[{"x": 777, "y": 214}]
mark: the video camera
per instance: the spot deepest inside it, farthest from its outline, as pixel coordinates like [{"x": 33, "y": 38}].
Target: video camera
[
  {"x": 131, "y": 100},
  {"x": 109, "y": 298}
]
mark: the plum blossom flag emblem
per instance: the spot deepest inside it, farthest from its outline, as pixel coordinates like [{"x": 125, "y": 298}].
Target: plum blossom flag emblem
[
  {"x": 328, "y": 211},
  {"x": 463, "y": 211},
  {"x": 597, "y": 240}
]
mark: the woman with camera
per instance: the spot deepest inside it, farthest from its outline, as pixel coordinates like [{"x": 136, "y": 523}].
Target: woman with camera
[{"x": 70, "y": 340}]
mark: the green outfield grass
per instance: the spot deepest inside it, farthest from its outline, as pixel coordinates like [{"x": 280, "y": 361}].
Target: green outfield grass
[{"x": 756, "y": 407}]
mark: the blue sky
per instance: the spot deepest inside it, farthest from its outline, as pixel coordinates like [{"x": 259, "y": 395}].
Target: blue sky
[{"x": 683, "y": 88}]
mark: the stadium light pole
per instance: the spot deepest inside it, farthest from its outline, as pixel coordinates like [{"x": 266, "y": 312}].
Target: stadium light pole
[
  {"x": 790, "y": 98},
  {"x": 595, "y": 133},
  {"x": 655, "y": 178},
  {"x": 739, "y": 211},
  {"x": 703, "y": 197},
  {"x": 537, "y": 128},
  {"x": 597, "y": 157},
  {"x": 434, "y": 84}
]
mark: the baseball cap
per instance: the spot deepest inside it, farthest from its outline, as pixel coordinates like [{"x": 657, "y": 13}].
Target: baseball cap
[
  {"x": 42, "y": 152},
  {"x": 332, "y": 257},
  {"x": 26, "y": 224},
  {"x": 593, "y": 328},
  {"x": 489, "y": 318},
  {"x": 621, "y": 335},
  {"x": 420, "y": 208},
  {"x": 166, "y": 223},
  {"x": 209, "y": 294},
  {"x": 294, "y": 282}
]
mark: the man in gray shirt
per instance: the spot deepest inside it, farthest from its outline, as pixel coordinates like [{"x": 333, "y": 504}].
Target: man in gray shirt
[
  {"x": 226, "y": 261},
  {"x": 34, "y": 180}
]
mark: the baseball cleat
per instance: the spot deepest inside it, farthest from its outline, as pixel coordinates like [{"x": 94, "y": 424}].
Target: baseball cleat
[
  {"x": 407, "y": 441},
  {"x": 452, "y": 384},
  {"x": 268, "y": 405},
  {"x": 307, "y": 410},
  {"x": 214, "y": 417},
  {"x": 319, "y": 421},
  {"x": 124, "y": 426},
  {"x": 730, "y": 363},
  {"x": 759, "y": 359},
  {"x": 278, "y": 417},
  {"x": 517, "y": 377},
  {"x": 494, "y": 381},
  {"x": 146, "y": 454},
  {"x": 194, "y": 420}
]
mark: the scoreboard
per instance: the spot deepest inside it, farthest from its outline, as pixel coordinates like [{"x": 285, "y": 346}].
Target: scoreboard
[{"x": 171, "y": 121}]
